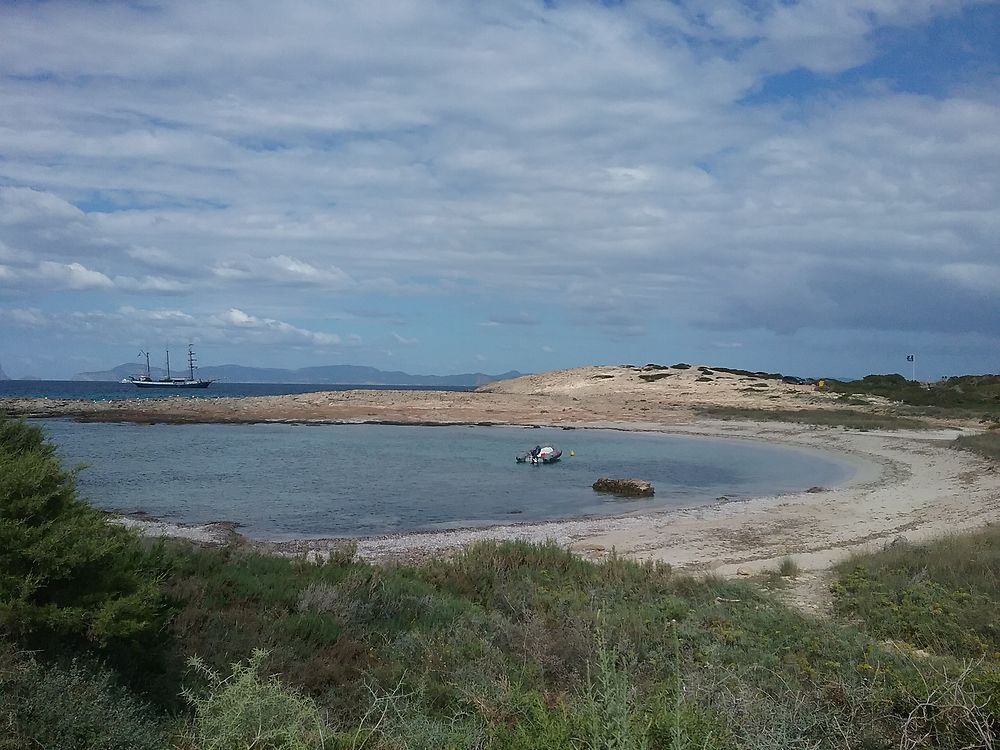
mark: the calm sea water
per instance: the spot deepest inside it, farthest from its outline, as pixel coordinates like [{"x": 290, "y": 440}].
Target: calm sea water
[
  {"x": 109, "y": 391},
  {"x": 286, "y": 481}
]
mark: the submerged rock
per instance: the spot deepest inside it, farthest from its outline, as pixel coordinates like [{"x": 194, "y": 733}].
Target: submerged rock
[{"x": 624, "y": 487}]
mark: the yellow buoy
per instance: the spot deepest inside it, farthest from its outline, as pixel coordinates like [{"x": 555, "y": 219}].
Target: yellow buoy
[{"x": 572, "y": 453}]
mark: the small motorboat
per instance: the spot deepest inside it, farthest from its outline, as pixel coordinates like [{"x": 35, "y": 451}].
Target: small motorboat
[{"x": 539, "y": 455}]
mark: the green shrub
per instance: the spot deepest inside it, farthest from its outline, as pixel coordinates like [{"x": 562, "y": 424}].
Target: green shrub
[
  {"x": 64, "y": 571},
  {"x": 248, "y": 710},
  {"x": 608, "y": 707},
  {"x": 408, "y": 721},
  {"x": 531, "y": 725},
  {"x": 75, "y": 706},
  {"x": 943, "y": 595}
]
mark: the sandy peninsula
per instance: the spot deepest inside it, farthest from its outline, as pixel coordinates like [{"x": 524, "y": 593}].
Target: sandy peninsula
[{"x": 907, "y": 482}]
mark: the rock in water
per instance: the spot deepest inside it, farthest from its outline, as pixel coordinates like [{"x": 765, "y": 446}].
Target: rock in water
[{"x": 624, "y": 487}]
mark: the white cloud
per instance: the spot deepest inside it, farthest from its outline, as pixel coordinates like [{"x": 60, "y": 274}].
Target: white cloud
[
  {"x": 403, "y": 339},
  {"x": 69, "y": 276},
  {"x": 8, "y": 253},
  {"x": 23, "y": 205},
  {"x": 273, "y": 330},
  {"x": 24, "y": 317},
  {"x": 129, "y": 323},
  {"x": 609, "y": 161},
  {"x": 513, "y": 319},
  {"x": 150, "y": 284},
  {"x": 177, "y": 317}
]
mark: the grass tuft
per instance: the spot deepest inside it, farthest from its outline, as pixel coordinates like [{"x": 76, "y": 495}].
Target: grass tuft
[
  {"x": 986, "y": 444},
  {"x": 788, "y": 568},
  {"x": 851, "y": 418}
]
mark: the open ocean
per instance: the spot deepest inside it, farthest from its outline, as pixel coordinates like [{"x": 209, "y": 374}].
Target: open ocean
[
  {"x": 114, "y": 391},
  {"x": 284, "y": 481}
]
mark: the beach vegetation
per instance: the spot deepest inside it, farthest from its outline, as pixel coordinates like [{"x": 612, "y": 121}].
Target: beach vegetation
[
  {"x": 249, "y": 709},
  {"x": 516, "y": 645},
  {"x": 851, "y": 418},
  {"x": 788, "y": 568},
  {"x": 986, "y": 444},
  {"x": 65, "y": 573},
  {"x": 72, "y": 704},
  {"x": 942, "y": 596},
  {"x": 523, "y": 645},
  {"x": 779, "y": 577},
  {"x": 505, "y": 645},
  {"x": 974, "y": 394}
]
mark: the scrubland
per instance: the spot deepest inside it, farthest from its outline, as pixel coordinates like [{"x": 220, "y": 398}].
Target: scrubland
[{"x": 109, "y": 641}]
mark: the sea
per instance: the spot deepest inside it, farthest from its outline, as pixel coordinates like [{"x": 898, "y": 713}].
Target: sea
[
  {"x": 114, "y": 391},
  {"x": 283, "y": 481}
]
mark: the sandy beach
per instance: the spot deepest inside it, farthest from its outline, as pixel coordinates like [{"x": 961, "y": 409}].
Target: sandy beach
[{"x": 907, "y": 482}]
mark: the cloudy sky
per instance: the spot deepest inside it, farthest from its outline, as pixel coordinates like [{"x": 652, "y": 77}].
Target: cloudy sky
[{"x": 454, "y": 186}]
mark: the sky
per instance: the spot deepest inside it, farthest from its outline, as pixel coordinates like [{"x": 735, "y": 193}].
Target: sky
[{"x": 807, "y": 187}]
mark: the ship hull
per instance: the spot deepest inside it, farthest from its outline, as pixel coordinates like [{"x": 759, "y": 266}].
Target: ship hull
[{"x": 171, "y": 384}]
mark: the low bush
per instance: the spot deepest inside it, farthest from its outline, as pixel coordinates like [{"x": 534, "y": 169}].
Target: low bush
[
  {"x": 249, "y": 710},
  {"x": 79, "y": 705},
  {"x": 974, "y": 394},
  {"x": 943, "y": 595}
]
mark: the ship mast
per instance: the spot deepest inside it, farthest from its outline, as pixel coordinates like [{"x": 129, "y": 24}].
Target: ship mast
[
  {"x": 191, "y": 361},
  {"x": 168, "y": 364}
]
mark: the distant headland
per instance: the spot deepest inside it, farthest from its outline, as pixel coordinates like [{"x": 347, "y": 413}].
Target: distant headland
[{"x": 324, "y": 374}]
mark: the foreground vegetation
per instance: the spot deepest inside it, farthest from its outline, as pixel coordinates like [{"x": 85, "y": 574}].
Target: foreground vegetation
[{"x": 504, "y": 646}]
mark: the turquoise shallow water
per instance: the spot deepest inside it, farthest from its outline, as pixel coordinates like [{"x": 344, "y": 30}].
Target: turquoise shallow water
[{"x": 286, "y": 481}]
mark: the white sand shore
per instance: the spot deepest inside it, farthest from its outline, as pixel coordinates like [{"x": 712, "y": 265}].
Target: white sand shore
[
  {"x": 906, "y": 483},
  {"x": 909, "y": 482}
]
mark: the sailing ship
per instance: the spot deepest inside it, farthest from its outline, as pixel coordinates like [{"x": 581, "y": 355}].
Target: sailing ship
[{"x": 146, "y": 380}]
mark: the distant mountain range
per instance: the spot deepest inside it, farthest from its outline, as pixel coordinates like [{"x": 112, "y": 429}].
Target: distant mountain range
[{"x": 332, "y": 374}]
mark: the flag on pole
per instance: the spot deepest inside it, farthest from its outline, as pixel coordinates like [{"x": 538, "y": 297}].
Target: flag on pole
[{"x": 909, "y": 357}]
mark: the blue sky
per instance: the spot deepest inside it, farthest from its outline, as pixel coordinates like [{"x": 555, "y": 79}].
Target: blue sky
[{"x": 809, "y": 187}]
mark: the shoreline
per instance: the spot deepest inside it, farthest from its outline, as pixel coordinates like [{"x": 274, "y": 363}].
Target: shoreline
[
  {"x": 918, "y": 486},
  {"x": 218, "y": 531},
  {"x": 905, "y": 483}
]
